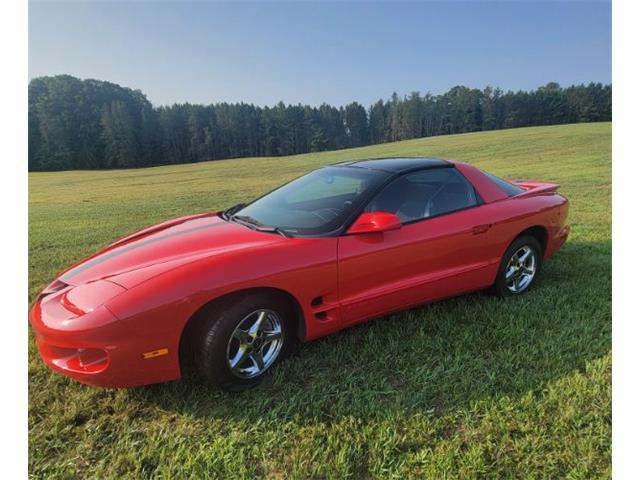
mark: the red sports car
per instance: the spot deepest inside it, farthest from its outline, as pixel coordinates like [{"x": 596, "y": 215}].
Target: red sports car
[{"x": 231, "y": 292}]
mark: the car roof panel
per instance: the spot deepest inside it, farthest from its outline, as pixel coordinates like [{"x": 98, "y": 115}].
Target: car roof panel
[{"x": 398, "y": 164}]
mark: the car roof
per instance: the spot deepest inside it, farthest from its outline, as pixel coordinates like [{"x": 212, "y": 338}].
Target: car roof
[{"x": 397, "y": 164}]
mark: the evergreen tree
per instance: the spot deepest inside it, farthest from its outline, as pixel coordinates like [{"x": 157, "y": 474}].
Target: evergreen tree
[
  {"x": 356, "y": 124},
  {"x": 77, "y": 124}
]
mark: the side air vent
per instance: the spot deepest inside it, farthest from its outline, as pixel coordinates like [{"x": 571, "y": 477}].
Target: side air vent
[{"x": 316, "y": 301}]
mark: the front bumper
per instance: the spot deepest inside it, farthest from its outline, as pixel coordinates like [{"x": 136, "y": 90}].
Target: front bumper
[{"x": 96, "y": 348}]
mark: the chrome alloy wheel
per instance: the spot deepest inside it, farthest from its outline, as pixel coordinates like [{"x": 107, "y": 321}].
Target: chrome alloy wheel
[
  {"x": 255, "y": 343},
  {"x": 521, "y": 269}
]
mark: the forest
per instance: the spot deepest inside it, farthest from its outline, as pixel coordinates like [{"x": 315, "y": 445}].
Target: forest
[{"x": 93, "y": 124}]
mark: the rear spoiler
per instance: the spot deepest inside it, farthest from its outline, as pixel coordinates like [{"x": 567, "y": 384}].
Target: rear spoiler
[{"x": 535, "y": 188}]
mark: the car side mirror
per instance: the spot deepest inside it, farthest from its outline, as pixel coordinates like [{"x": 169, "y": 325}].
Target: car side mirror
[{"x": 375, "y": 222}]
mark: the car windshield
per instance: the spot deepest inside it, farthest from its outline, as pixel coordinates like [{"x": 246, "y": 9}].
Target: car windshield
[{"x": 315, "y": 204}]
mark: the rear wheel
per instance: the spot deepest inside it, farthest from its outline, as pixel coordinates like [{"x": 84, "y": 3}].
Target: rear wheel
[
  {"x": 239, "y": 341},
  {"x": 519, "y": 267}
]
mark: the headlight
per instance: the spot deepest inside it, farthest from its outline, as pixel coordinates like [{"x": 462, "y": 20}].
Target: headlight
[
  {"x": 86, "y": 298},
  {"x": 53, "y": 287}
]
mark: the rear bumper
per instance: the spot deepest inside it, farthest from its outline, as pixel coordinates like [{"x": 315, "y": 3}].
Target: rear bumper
[
  {"x": 557, "y": 240},
  {"x": 97, "y": 349}
]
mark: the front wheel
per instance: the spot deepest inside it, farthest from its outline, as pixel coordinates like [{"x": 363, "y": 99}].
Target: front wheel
[
  {"x": 519, "y": 267},
  {"x": 241, "y": 340}
]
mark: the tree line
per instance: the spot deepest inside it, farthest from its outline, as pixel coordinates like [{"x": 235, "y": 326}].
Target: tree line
[{"x": 92, "y": 124}]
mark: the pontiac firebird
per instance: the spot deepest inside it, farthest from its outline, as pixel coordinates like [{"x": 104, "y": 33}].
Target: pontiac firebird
[{"x": 231, "y": 292}]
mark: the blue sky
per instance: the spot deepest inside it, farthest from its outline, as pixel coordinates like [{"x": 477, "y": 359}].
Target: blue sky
[{"x": 319, "y": 52}]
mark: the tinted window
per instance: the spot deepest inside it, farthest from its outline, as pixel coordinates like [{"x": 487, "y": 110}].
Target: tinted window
[
  {"x": 316, "y": 203},
  {"x": 507, "y": 187},
  {"x": 425, "y": 194}
]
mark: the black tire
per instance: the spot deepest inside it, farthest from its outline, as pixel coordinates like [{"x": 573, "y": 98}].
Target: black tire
[
  {"x": 501, "y": 286},
  {"x": 216, "y": 324}
]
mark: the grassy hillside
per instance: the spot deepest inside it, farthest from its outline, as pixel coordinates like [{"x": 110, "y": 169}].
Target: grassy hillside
[{"x": 469, "y": 387}]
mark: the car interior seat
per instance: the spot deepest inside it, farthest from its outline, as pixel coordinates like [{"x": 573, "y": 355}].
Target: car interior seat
[
  {"x": 414, "y": 205},
  {"x": 453, "y": 196},
  {"x": 390, "y": 199}
]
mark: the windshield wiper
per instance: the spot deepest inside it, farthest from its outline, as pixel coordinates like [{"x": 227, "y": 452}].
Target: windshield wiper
[
  {"x": 226, "y": 214},
  {"x": 246, "y": 219},
  {"x": 278, "y": 230},
  {"x": 256, "y": 225}
]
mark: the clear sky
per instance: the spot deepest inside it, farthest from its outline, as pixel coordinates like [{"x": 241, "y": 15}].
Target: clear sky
[{"x": 319, "y": 52}]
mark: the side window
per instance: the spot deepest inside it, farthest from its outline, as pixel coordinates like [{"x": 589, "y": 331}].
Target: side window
[{"x": 425, "y": 194}]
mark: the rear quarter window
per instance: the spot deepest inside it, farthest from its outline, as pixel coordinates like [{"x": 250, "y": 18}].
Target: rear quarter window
[{"x": 508, "y": 188}]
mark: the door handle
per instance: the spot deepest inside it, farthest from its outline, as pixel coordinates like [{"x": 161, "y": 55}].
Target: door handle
[{"x": 480, "y": 228}]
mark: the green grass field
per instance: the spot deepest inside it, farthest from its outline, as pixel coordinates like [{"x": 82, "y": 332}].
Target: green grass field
[{"x": 471, "y": 387}]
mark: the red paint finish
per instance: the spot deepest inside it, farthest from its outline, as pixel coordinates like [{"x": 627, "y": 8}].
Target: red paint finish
[
  {"x": 375, "y": 222},
  {"x": 434, "y": 258},
  {"x": 99, "y": 318}
]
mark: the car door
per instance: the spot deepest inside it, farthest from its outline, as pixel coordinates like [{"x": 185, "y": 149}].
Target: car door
[{"x": 438, "y": 252}]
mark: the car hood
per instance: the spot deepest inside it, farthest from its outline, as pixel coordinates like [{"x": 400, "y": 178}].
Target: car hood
[{"x": 164, "y": 246}]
